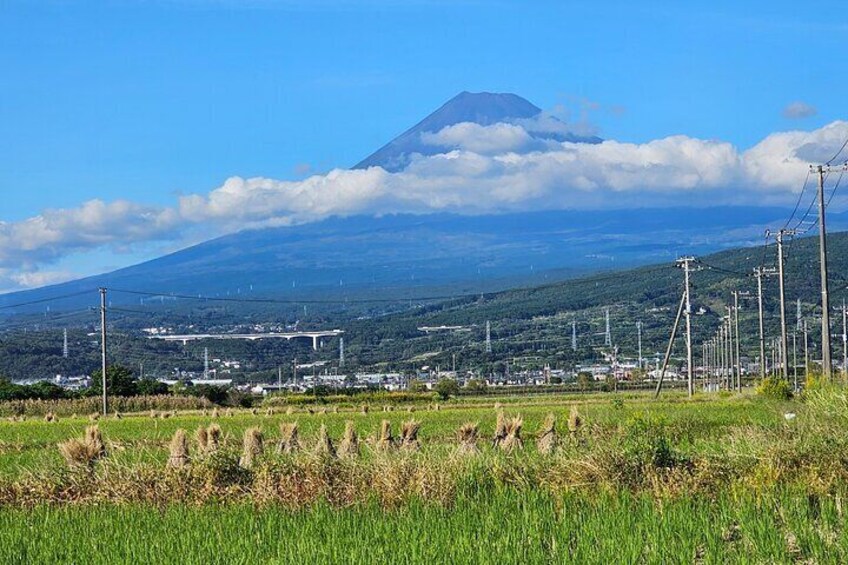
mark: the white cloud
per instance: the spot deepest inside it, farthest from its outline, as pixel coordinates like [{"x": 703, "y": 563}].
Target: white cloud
[
  {"x": 483, "y": 170},
  {"x": 798, "y": 110}
]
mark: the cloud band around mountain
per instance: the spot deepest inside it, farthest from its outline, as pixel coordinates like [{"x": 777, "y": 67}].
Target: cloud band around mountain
[{"x": 483, "y": 169}]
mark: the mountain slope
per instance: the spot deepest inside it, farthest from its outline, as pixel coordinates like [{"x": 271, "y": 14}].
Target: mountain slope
[
  {"x": 483, "y": 108},
  {"x": 405, "y": 252}
]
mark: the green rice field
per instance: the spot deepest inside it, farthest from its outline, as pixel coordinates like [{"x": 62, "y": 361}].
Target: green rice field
[{"x": 718, "y": 479}]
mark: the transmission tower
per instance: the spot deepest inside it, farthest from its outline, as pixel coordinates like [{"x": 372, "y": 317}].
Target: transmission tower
[
  {"x": 65, "y": 345},
  {"x": 798, "y": 325},
  {"x": 488, "y": 337},
  {"x": 341, "y": 352},
  {"x": 607, "y": 335},
  {"x": 205, "y": 363}
]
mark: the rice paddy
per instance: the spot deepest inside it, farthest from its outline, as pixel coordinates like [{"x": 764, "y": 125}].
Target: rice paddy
[{"x": 531, "y": 480}]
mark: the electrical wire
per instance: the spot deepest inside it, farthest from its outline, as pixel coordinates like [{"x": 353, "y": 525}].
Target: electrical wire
[{"x": 43, "y": 300}]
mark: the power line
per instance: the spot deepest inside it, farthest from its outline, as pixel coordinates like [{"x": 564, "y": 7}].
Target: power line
[{"x": 43, "y": 300}]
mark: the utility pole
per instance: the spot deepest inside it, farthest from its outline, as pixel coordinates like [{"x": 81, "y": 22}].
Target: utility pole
[
  {"x": 103, "y": 347},
  {"x": 488, "y": 337},
  {"x": 827, "y": 370},
  {"x": 341, "y": 353},
  {"x": 639, "y": 340},
  {"x": 780, "y": 262},
  {"x": 607, "y": 334},
  {"x": 294, "y": 371},
  {"x": 279, "y": 379},
  {"x": 573, "y": 335},
  {"x": 205, "y": 363},
  {"x": 795, "y": 361},
  {"x": 731, "y": 377},
  {"x": 670, "y": 345},
  {"x": 761, "y": 272},
  {"x": 65, "y": 344},
  {"x": 686, "y": 262},
  {"x": 806, "y": 351},
  {"x": 844, "y": 341}
]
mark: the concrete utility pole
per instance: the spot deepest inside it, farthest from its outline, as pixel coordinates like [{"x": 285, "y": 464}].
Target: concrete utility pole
[
  {"x": 827, "y": 369},
  {"x": 761, "y": 272},
  {"x": 639, "y": 340},
  {"x": 736, "y": 295},
  {"x": 806, "y": 350},
  {"x": 795, "y": 361},
  {"x": 103, "y": 347},
  {"x": 65, "y": 344},
  {"x": 607, "y": 334},
  {"x": 686, "y": 263},
  {"x": 488, "y": 337},
  {"x": 844, "y": 341},
  {"x": 206, "y": 363},
  {"x": 731, "y": 377},
  {"x": 780, "y": 262},
  {"x": 341, "y": 353},
  {"x": 574, "y": 335}
]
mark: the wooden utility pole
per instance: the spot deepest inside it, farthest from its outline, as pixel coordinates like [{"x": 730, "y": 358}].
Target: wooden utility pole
[
  {"x": 827, "y": 369},
  {"x": 103, "y": 348}
]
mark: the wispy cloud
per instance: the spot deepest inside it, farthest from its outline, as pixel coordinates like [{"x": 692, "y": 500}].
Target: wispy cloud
[
  {"x": 487, "y": 169},
  {"x": 798, "y": 110}
]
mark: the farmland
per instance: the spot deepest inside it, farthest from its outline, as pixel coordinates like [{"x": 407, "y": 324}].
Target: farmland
[{"x": 710, "y": 480}]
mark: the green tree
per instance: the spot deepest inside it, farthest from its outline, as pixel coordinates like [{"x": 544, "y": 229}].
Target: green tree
[
  {"x": 446, "y": 388},
  {"x": 416, "y": 385},
  {"x": 119, "y": 382},
  {"x": 584, "y": 380},
  {"x": 150, "y": 386},
  {"x": 475, "y": 385}
]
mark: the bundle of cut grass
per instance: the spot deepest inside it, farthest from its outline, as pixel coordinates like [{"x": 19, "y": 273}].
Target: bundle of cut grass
[
  {"x": 269, "y": 412},
  {"x": 50, "y": 417},
  {"x": 409, "y": 435},
  {"x": 94, "y": 416},
  {"x": 310, "y": 410},
  {"x": 498, "y": 406},
  {"x": 437, "y": 407},
  {"x": 468, "y": 434},
  {"x": 364, "y": 409},
  {"x": 513, "y": 439},
  {"x": 118, "y": 416},
  {"x": 201, "y": 437},
  {"x": 215, "y": 413},
  {"x": 500, "y": 429},
  {"x": 335, "y": 409},
  {"x": 289, "y": 410},
  {"x": 322, "y": 410},
  {"x": 178, "y": 453},
  {"x": 74, "y": 416},
  {"x": 411, "y": 409},
  {"x": 254, "y": 411},
  {"x": 385, "y": 442},
  {"x": 574, "y": 420},
  {"x": 153, "y": 414},
  {"x": 387, "y": 408},
  {"x": 213, "y": 437},
  {"x": 229, "y": 412},
  {"x": 546, "y": 443},
  {"x": 204, "y": 412},
  {"x": 84, "y": 452},
  {"x": 324, "y": 447},
  {"x": 289, "y": 442},
  {"x": 349, "y": 446},
  {"x": 252, "y": 447}
]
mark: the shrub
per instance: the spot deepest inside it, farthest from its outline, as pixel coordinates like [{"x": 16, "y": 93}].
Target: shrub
[
  {"x": 774, "y": 388},
  {"x": 446, "y": 388}
]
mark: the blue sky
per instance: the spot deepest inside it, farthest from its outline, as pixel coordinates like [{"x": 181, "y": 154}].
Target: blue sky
[{"x": 149, "y": 100}]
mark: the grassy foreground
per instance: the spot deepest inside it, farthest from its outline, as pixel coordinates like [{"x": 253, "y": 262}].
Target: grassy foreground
[
  {"x": 504, "y": 527},
  {"x": 715, "y": 480}
]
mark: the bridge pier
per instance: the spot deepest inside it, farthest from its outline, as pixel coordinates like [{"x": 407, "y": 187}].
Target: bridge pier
[{"x": 315, "y": 343}]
